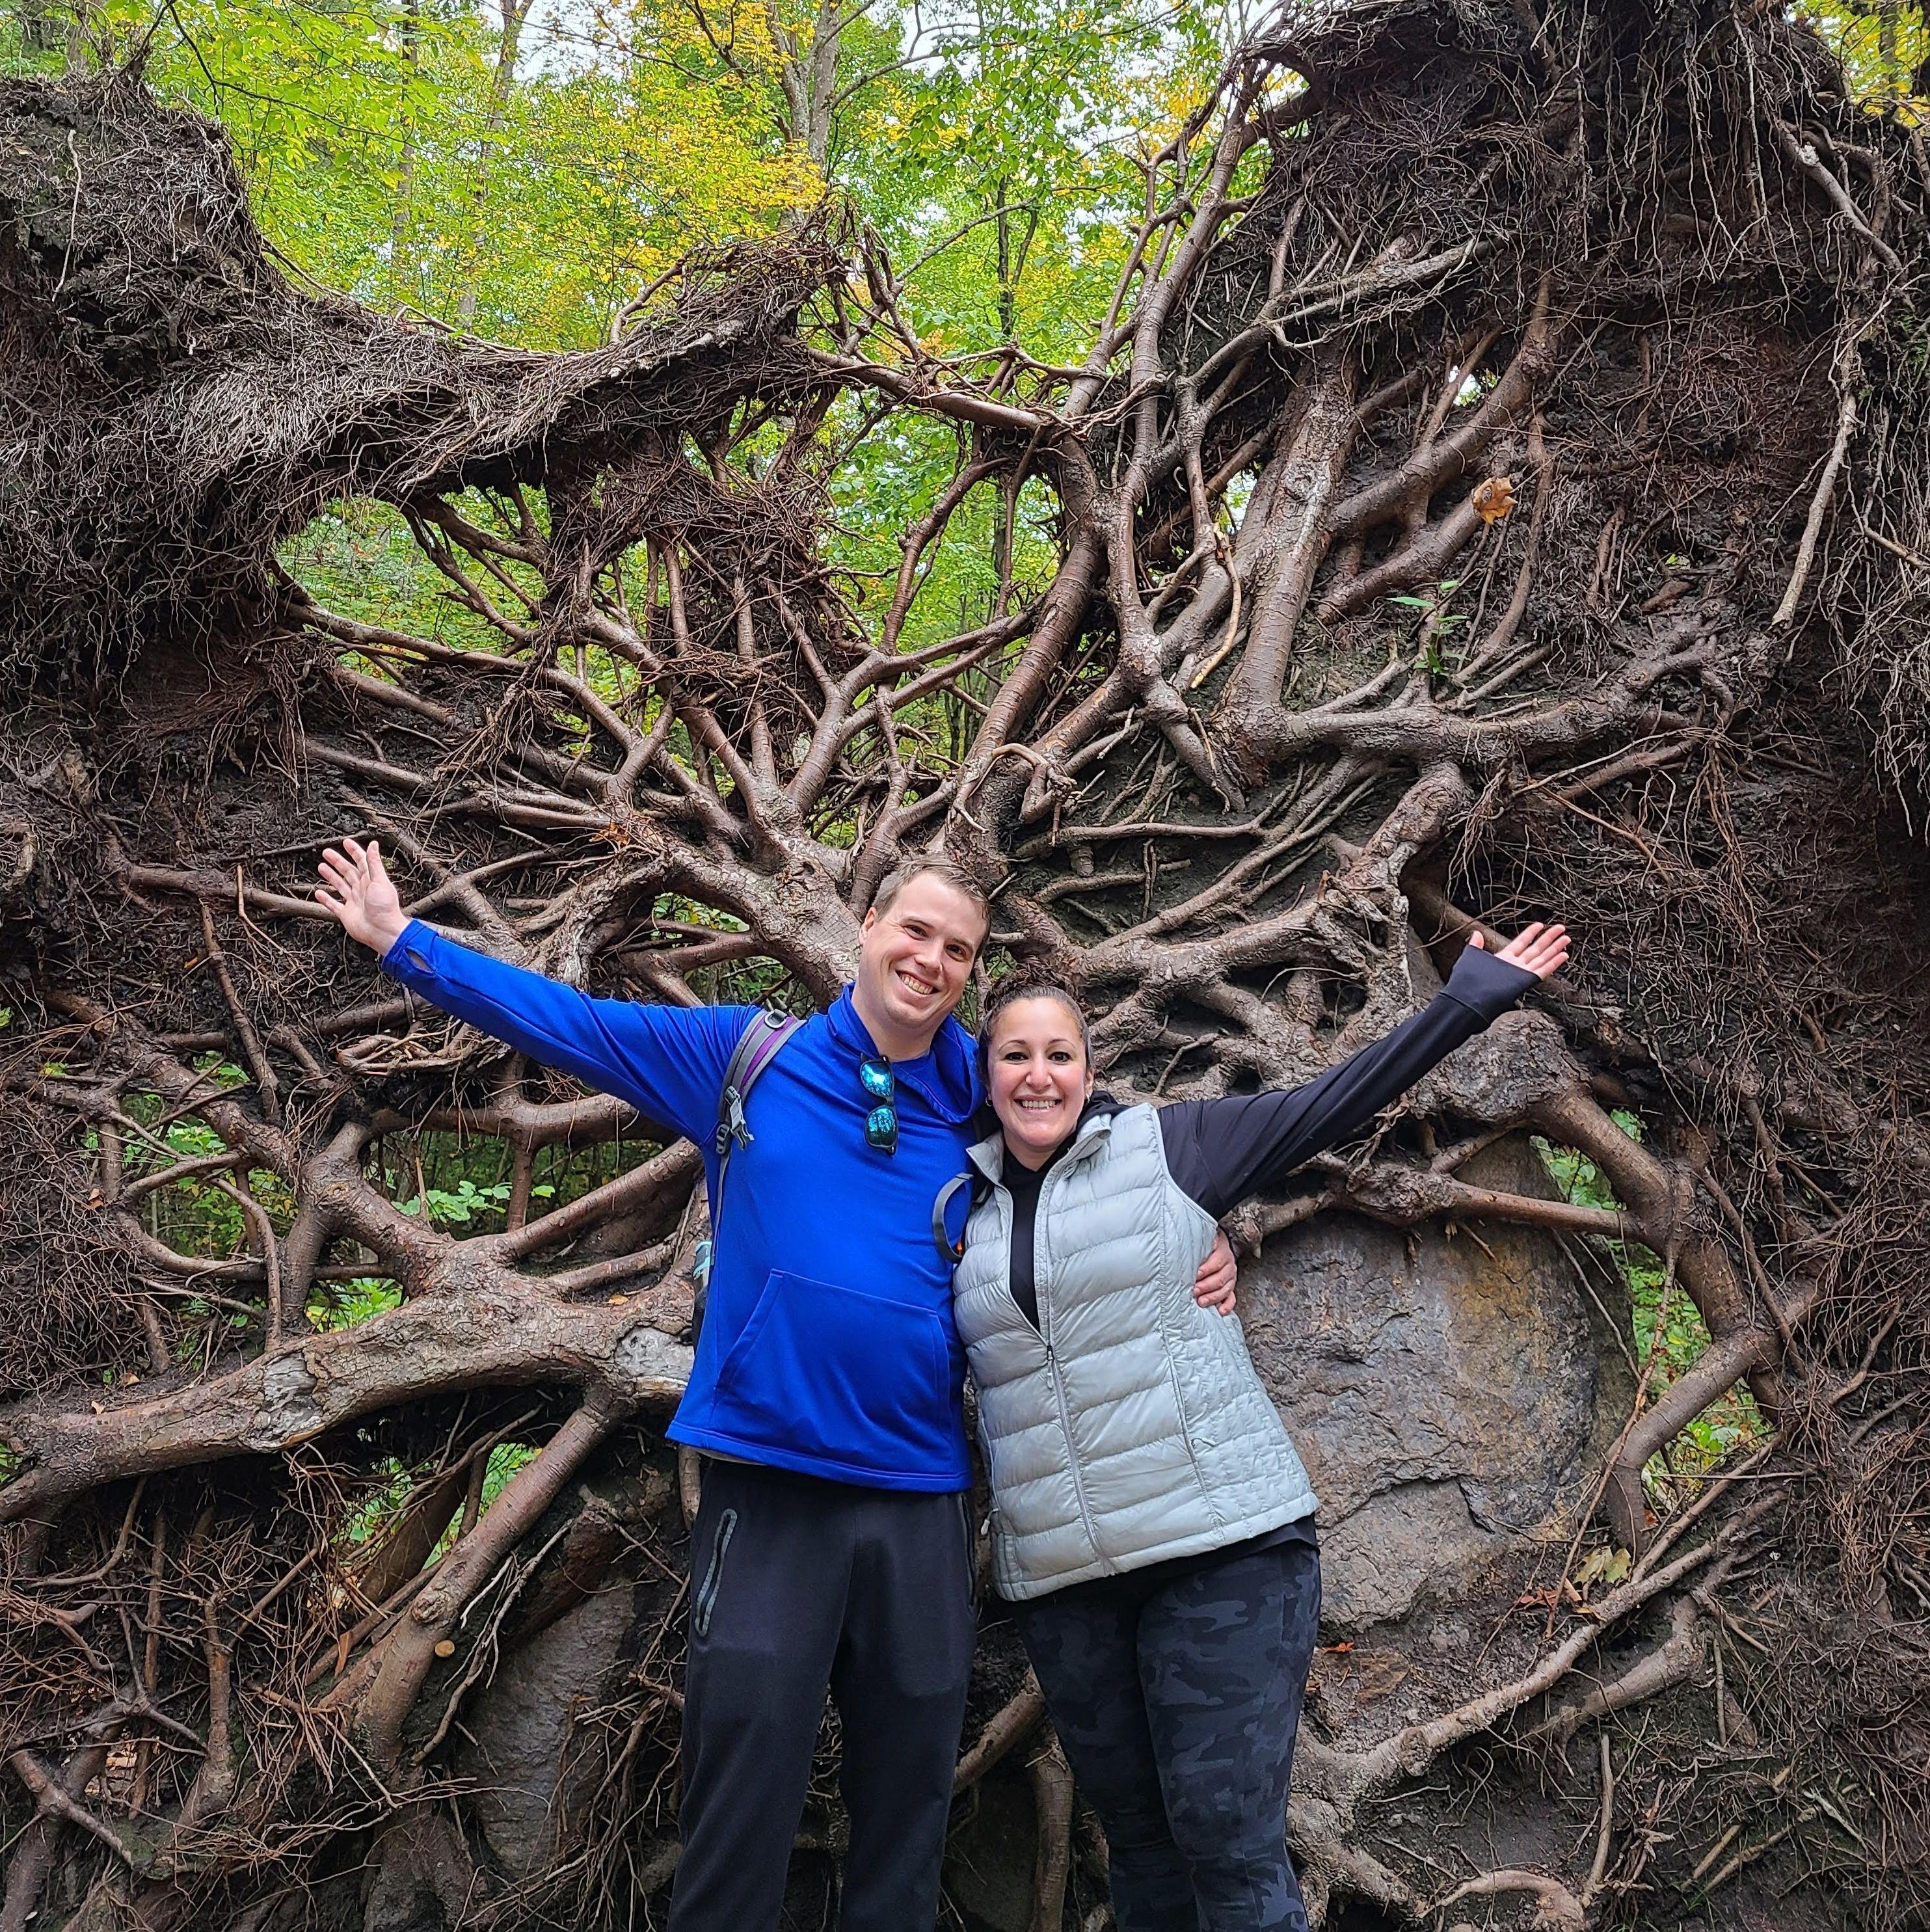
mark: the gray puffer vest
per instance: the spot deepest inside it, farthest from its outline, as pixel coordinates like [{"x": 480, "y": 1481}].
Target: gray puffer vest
[{"x": 1129, "y": 1426}]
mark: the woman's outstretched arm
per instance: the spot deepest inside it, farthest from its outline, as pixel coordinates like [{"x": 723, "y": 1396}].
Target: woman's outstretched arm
[{"x": 1222, "y": 1150}]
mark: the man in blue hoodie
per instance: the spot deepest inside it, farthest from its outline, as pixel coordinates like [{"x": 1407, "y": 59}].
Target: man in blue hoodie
[{"x": 833, "y": 1549}]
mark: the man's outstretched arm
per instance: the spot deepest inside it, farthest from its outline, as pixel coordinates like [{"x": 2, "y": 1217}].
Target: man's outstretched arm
[{"x": 668, "y": 1062}]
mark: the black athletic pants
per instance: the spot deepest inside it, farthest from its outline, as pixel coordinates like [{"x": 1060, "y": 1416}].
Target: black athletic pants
[
  {"x": 797, "y": 1586},
  {"x": 1177, "y": 1697}
]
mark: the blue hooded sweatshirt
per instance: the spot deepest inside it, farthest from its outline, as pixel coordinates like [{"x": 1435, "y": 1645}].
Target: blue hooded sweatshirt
[{"x": 827, "y": 1344}]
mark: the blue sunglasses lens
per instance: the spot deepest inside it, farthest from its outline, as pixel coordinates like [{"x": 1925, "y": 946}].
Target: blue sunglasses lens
[{"x": 880, "y": 1125}]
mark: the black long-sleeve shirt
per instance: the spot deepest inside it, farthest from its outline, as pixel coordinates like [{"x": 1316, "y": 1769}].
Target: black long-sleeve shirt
[{"x": 1221, "y": 1151}]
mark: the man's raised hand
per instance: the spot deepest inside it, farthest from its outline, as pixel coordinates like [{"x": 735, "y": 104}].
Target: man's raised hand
[
  {"x": 356, "y": 888},
  {"x": 1542, "y": 950}
]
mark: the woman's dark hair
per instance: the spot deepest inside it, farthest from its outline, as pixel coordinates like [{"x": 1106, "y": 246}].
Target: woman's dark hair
[{"x": 1022, "y": 984}]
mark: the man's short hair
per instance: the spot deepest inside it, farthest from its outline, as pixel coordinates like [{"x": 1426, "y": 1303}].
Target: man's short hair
[{"x": 952, "y": 874}]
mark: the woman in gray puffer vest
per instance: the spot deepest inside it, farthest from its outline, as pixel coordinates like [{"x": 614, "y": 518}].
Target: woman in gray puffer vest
[{"x": 1152, "y": 1525}]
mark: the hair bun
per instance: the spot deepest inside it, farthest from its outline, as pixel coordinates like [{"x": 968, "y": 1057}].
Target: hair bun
[{"x": 1025, "y": 982}]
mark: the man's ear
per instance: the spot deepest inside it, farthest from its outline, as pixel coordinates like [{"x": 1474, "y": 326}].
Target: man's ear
[{"x": 870, "y": 918}]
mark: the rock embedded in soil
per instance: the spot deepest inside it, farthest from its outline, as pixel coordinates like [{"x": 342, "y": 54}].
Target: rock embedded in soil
[{"x": 1448, "y": 1393}]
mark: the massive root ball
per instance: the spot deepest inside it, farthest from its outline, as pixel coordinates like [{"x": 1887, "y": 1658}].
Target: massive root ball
[
  {"x": 1497, "y": 492},
  {"x": 180, "y": 408}
]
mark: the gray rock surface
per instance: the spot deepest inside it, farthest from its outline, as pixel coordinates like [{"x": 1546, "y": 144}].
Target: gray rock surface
[{"x": 1450, "y": 1394}]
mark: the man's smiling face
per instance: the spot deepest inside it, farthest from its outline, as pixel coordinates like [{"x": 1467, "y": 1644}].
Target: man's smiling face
[{"x": 914, "y": 961}]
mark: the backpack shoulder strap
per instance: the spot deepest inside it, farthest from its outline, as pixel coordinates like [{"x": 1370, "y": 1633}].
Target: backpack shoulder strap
[
  {"x": 756, "y": 1047},
  {"x": 976, "y": 1188},
  {"x": 951, "y": 1251}
]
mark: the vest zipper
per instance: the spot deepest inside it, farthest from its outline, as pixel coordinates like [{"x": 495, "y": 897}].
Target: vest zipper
[{"x": 1038, "y": 1222}]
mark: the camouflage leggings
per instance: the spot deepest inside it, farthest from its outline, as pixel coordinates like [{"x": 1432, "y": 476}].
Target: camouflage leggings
[{"x": 1177, "y": 1698}]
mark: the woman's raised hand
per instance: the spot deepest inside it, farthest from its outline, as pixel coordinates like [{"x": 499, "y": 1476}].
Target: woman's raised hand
[
  {"x": 1542, "y": 950},
  {"x": 356, "y": 888}
]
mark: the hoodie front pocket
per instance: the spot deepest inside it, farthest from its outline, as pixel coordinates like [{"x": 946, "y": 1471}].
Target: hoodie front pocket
[{"x": 842, "y": 1377}]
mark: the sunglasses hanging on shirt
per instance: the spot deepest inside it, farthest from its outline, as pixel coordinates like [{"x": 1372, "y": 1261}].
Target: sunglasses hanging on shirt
[{"x": 880, "y": 1124}]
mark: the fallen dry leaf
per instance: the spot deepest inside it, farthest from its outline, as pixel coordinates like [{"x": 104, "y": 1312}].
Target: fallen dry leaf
[{"x": 1493, "y": 498}]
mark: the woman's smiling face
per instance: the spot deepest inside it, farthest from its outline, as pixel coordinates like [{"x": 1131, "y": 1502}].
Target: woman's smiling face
[{"x": 1039, "y": 1075}]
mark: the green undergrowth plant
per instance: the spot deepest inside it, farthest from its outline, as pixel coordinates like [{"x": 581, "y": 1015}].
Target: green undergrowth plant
[{"x": 1667, "y": 1331}]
